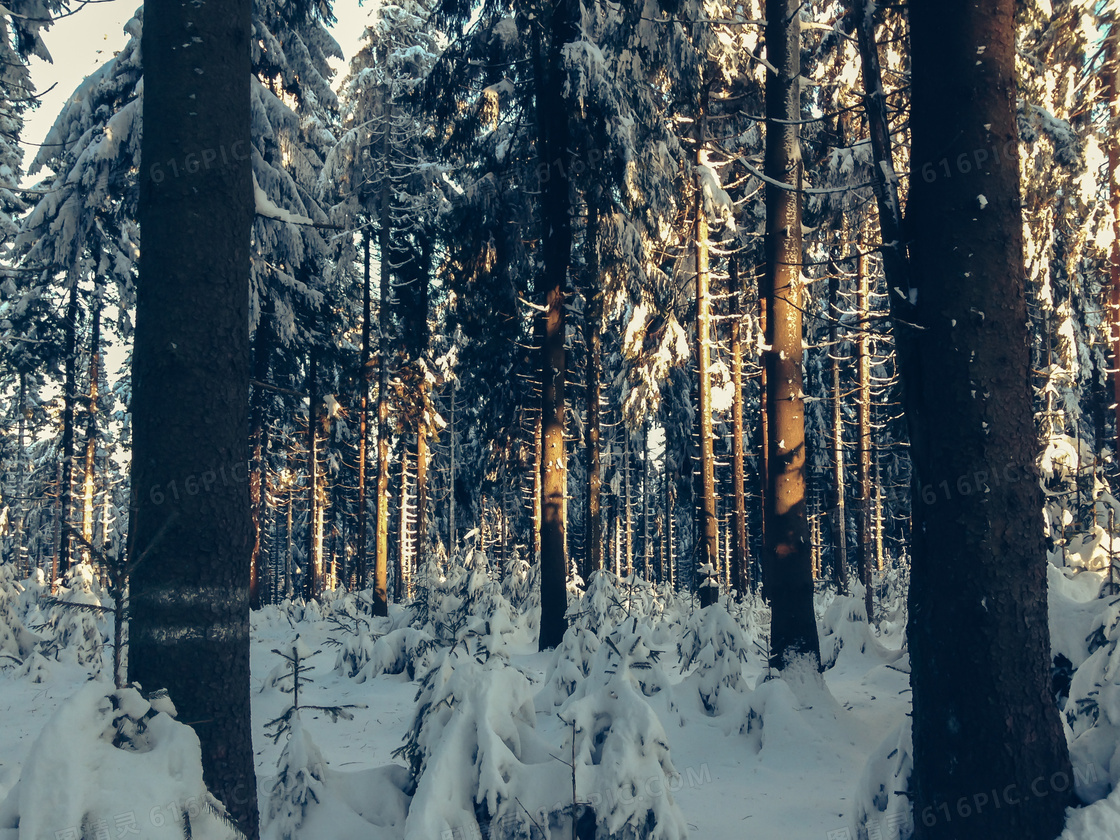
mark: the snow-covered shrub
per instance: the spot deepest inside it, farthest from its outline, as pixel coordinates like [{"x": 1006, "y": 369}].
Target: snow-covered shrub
[
  {"x": 882, "y": 809},
  {"x": 715, "y": 643},
  {"x": 521, "y": 585},
  {"x": 109, "y": 760},
  {"x": 473, "y": 751},
  {"x": 623, "y": 772},
  {"x": 603, "y": 606},
  {"x": 404, "y": 650},
  {"x": 298, "y": 784},
  {"x": 72, "y": 628},
  {"x": 1093, "y": 709},
  {"x": 352, "y": 631},
  {"x": 16, "y": 641},
  {"x": 465, "y": 600},
  {"x": 844, "y": 629},
  {"x": 571, "y": 664}
]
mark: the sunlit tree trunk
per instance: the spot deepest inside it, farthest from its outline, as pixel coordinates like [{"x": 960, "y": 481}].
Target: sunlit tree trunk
[
  {"x": 707, "y": 525},
  {"x": 788, "y": 575}
]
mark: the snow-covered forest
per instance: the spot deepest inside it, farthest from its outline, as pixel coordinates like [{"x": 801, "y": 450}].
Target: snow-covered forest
[{"x": 621, "y": 420}]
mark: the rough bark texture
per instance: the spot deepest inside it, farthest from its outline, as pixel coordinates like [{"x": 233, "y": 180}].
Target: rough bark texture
[
  {"x": 262, "y": 346},
  {"x": 191, "y": 524},
  {"x": 864, "y": 529},
  {"x": 740, "y": 558},
  {"x": 380, "y": 583},
  {"x": 788, "y": 575},
  {"x": 983, "y": 718},
  {"x": 364, "y": 374},
  {"x": 554, "y": 145},
  {"x": 1110, "y": 73},
  {"x": 66, "y": 462},
  {"x": 90, "y": 466},
  {"x": 313, "y": 579},
  {"x": 707, "y": 524},
  {"x": 839, "y": 513},
  {"x": 592, "y": 326}
]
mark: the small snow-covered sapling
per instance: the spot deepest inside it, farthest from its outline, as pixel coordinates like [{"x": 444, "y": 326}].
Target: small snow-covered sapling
[{"x": 295, "y": 657}]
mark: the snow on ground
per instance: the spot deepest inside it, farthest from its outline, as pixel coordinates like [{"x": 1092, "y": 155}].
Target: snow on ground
[{"x": 747, "y": 756}]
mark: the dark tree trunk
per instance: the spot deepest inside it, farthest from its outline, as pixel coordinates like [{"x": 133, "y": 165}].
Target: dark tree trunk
[
  {"x": 90, "y": 466},
  {"x": 364, "y": 372},
  {"x": 554, "y": 148},
  {"x": 592, "y": 326},
  {"x": 787, "y": 557},
  {"x": 66, "y": 462},
  {"x": 984, "y": 719},
  {"x": 262, "y": 348},
  {"x": 740, "y": 559},
  {"x": 191, "y": 519}
]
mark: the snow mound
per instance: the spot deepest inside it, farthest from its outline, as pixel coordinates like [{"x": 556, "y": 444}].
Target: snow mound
[{"x": 107, "y": 761}]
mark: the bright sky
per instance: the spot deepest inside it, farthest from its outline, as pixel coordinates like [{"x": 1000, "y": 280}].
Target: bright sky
[{"x": 84, "y": 41}]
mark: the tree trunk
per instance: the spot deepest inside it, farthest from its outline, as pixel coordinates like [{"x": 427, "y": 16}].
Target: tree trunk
[
  {"x": 707, "y": 528},
  {"x": 740, "y": 553},
  {"x": 863, "y": 422},
  {"x": 592, "y": 326},
  {"x": 627, "y": 502},
  {"x": 787, "y": 557},
  {"x": 365, "y": 365},
  {"x": 261, "y": 352},
  {"x": 984, "y": 718},
  {"x": 1110, "y": 81},
  {"x": 646, "y": 513},
  {"x": 381, "y": 559},
  {"x": 839, "y": 511},
  {"x": 554, "y": 145},
  {"x": 66, "y": 461},
  {"x": 312, "y": 580},
  {"x": 191, "y": 521},
  {"x": 90, "y": 466},
  {"x": 421, "y": 528},
  {"x": 404, "y": 556},
  {"x": 19, "y": 517},
  {"x": 451, "y": 474}
]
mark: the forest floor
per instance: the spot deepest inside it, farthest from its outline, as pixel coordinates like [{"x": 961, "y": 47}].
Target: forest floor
[{"x": 780, "y": 764}]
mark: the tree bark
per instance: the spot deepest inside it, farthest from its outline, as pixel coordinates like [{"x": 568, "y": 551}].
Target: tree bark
[
  {"x": 90, "y": 466},
  {"x": 66, "y": 461},
  {"x": 313, "y": 575},
  {"x": 554, "y": 145},
  {"x": 381, "y": 558},
  {"x": 788, "y": 559},
  {"x": 740, "y": 553},
  {"x": 839, "y": 511},
  {"x": 593, "y": 338},
  {"x": 707, "y": 526},
  {"x": 984, "y": 718},
  {"x": 864, "y": 527},
  {"x": 191, "y": 523},
  {"x": 261, "y": 351},
  {"x": 1110, "y": 82}
]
